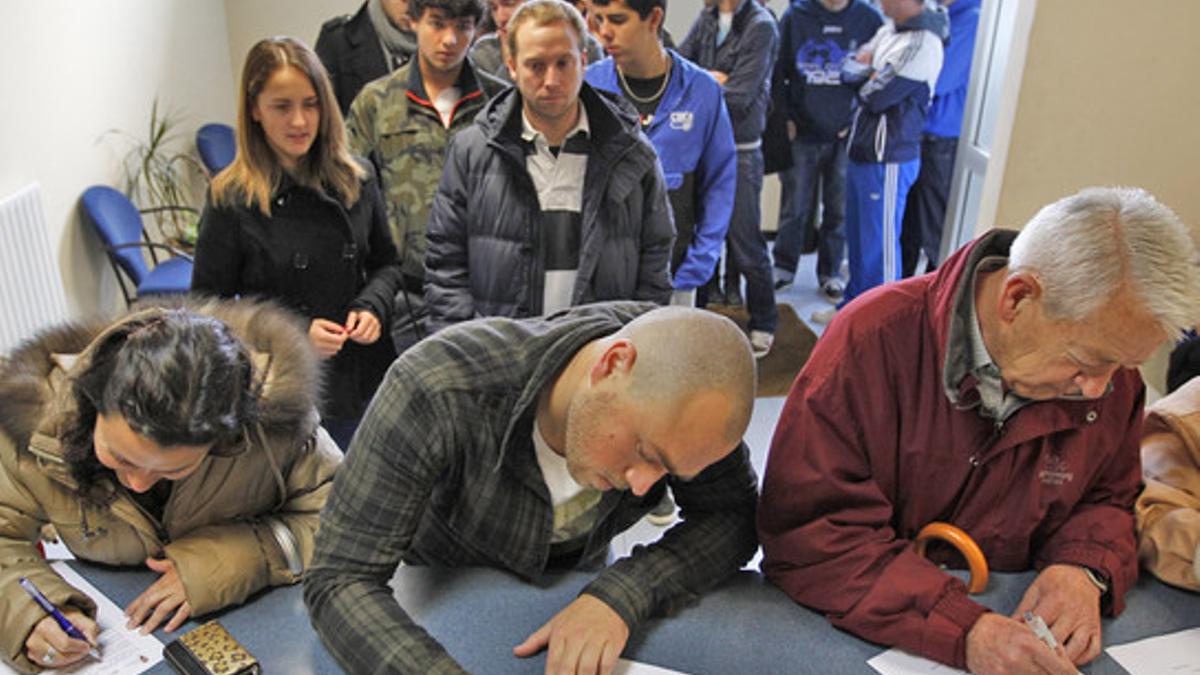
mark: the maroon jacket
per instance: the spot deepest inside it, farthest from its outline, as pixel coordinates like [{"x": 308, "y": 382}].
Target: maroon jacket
[{"x": 869, "y": 449}]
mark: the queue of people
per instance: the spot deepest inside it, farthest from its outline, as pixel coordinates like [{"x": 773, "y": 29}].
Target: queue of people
[{"x": 488, "y": 299}]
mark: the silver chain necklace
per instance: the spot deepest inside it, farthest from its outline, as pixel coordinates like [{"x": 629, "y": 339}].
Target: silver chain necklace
[{"x": 661, "y": 88}]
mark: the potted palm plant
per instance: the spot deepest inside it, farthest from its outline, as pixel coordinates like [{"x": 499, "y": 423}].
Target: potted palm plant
[{"x": 163, "y": 180}]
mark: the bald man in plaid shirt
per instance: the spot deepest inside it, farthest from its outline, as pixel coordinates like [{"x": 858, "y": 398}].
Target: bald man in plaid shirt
[{"x": 527, "y": 445}]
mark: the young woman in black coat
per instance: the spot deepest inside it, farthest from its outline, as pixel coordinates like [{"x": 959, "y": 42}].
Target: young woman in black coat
[{"x": 296, "y": 218}]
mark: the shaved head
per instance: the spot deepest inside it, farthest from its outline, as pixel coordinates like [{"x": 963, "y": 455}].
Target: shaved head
[{"x": 683, "y": 353}]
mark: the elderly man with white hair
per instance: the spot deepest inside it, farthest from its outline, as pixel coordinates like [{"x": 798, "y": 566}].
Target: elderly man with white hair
[{"x": 1000, "y": 395}]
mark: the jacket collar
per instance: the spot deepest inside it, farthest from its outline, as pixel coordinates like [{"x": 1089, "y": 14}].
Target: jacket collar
[
  {"x": 612, "y": 129},
  {"x": 932, "y": 18},
  {"x": 359, "y": 28},
  {"x": 34, "y": 379},
  {"x": 966, "y": 352},
  {"x": 604, "y": 74},
  {"x": 467, "y": 82},
  {"x": 743, "y": 10},
  {"x": 954, "y": 285},
  {"x": 675, "y": 87},
  {"x": 564, "y": 335}
]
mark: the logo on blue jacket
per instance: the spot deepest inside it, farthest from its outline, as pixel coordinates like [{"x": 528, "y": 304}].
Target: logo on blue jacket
[
  {"x": 821, "y": 61},
  {"x": 682, "y": 120}
]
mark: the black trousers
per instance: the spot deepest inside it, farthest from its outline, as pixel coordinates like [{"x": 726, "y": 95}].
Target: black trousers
[{"x": 925, "y": 210}]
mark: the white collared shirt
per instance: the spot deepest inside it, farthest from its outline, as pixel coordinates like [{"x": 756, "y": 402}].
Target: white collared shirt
[{"x": 558, "y": 180}]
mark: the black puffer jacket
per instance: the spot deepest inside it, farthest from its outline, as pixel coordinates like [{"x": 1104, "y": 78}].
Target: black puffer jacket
[
  {"x": 484, "y": 253},
  {"x": 317, "y": 258}
]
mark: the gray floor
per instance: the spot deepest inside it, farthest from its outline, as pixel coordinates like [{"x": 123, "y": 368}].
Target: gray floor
[{"x": 803, "y": 297}]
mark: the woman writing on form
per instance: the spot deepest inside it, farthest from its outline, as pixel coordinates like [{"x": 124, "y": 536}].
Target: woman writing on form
[{"x": 181, "y": 439}]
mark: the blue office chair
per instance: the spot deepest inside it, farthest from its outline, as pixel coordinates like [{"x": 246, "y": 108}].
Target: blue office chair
[
  {"x": 216, "y": 146},
  {"x": 120, "y": 227}
]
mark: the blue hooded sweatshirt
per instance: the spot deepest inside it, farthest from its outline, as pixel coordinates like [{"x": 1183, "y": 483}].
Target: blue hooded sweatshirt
[{"x": 813, "y": 44}]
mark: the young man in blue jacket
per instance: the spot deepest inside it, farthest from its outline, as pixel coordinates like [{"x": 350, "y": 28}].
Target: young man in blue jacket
[
  {"x": 815, "y": 38},
  {"x": 898, "y": 70},
  {"x": 681, "y": 110},
  {"x": 925, "y": 210}
]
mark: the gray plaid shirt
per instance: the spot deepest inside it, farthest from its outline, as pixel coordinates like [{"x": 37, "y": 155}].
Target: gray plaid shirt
[{"x": 453, "y": 418}]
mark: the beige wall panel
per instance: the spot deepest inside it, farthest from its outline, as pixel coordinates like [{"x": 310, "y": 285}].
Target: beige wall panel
[{"x": 1106, "y": 99}]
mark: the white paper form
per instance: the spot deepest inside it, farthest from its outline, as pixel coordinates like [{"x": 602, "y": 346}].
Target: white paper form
[
  {"x": 898, "y": 662},
  {"x": 125, "y": 652},
  {"x": 1173, "y": 653},
  {"x": 627, "y": 667}
]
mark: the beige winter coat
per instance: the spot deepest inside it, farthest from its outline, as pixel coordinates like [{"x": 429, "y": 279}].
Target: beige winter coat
[
  {"x": 1168, "y": 511},
  {"x": 217, "y": 525}
]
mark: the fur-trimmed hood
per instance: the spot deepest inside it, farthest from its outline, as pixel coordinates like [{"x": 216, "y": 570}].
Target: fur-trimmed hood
[{"x": 33, "y": 378}]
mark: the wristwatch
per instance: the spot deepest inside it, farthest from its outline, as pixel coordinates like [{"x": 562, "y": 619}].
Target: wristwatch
[
  {"x": 1097, "y": 579},
  {"x": 287, "y": 545}
]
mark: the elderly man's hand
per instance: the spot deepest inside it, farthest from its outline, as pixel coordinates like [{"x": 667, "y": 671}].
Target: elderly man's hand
[
  {"x": 587, "y": 636},
  {"x": 1070, "y": 604},
  {"x": 1000, "y": 645}
]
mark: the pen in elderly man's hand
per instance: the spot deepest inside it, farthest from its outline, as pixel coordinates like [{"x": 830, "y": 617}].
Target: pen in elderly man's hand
[{"x": 1038, "y": 625}]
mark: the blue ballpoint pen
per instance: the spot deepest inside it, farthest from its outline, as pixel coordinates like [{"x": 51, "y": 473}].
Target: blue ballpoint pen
[{"x": 63, "y": 622}]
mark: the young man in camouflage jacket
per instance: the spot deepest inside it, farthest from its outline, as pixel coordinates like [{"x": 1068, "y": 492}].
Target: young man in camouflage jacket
[{"x": 404, "y": 122}]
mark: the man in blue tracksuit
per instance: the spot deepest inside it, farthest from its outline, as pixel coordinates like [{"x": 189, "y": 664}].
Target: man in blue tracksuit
[
  {"x": 925, "y": 210},
  {"x": 681, "y": 110},
  {"x": 736, "y": 41},
  {"x": 900, "y": 65},
  {"x": 815, "y": 38}
]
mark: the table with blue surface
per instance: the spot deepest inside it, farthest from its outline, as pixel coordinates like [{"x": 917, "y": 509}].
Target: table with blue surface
[{"x": 746, "y": 625}]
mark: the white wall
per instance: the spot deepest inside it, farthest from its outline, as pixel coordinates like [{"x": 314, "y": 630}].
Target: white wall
[
  {"x": 1105, "y": 102},
  {"x": 73, "y": 70},
  {"x": 252, "y": 21}
]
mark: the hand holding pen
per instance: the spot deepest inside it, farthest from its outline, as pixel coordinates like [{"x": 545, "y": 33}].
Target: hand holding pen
[
  {"x": 60, "y": 638},
  {"x": 1038, "y": 625},
  {"x": 1002, "y": 645},
  {"x": 1069, "y": 603}
]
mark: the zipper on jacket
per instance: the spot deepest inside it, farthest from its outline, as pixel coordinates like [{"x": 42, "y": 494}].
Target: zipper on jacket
[
  {"x": 975, "y": 460},
  {"x": 159, "y": 529}
]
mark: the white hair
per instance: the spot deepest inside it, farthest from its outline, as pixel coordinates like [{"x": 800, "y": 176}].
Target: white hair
[{"x": 1085, "y": 248}]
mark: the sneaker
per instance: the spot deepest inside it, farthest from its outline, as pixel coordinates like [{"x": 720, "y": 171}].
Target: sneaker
[
  {"x": 833, "y": 290},
  {"x": 783, "y": 279},
  {"x": 663, "y": 514},
  {"x": 760, "y": 342},
  {"x": 824, "y": 316}
]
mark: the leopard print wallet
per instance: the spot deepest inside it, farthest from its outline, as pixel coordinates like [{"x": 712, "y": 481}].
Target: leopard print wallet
[{"x": 210, "y": 650}]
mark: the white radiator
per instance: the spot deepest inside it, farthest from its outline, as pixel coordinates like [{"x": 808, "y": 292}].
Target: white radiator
[{"x": 31, "y": 289}]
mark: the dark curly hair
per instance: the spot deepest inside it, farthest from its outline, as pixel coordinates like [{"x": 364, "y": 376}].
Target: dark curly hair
[{"x": 176, "y": 377}]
